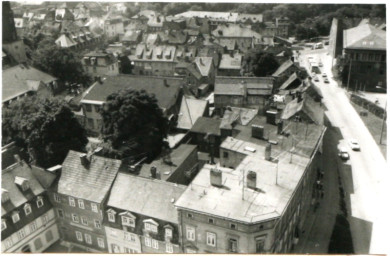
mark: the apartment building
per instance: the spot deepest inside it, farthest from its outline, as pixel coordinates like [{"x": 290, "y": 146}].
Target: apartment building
[
  {"x": 79, "y": 199},
  {"x": 28, "y": 221},
  {"x": 100, "y": 64},
  {"x": 140, "y": 216}
]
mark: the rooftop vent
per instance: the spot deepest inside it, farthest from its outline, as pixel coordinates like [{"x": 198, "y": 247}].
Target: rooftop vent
[
  {"x": 251, "y": 179},
  {"x": 216, "y": 177},
  {"x": 268, "y": 150},
  {"x": 257, "y": 131},
  {"x": 22, "y": 183},
  {"x": 84, "y": 160},
  {"x": 55, "y": 169}
]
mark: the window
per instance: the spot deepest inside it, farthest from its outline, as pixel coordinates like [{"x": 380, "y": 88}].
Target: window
[
  {"x": 8, "y": 242},
  {"x": 260, "y": 244},
  {"x": 75, "y": 218},
  {"x": 129, "y": 237},
  {"x": 148, "y": 242},
  {"x": 111, "y": 215},
  {"x": 15, "y": 217},
  {"x": 168, "y": 232},
  {"x": 97, "y": 224},
  {"x": 97, "y": 108},
  {"x": 21, "y": 234},
  {"x": 88, "y": 239},
  {"x": 57, "y": 198},
  {"x": 3, "y": 224},
  {"x": 169, "y": 248},
  {"x": 39, "y": 202},
  {"x": 211, "y": 239},
  {"x": 88, "y": 107},
  {"x": 49, "y": 236},
  {"x": 233, "y": 226},
  {"x": 27, "y": 209},
  {"x": 190, "y": 216},
  {"x": 90, "y": 123},
  {"x": 225, "y": 154},
  {"x": 81, "y": 203},
  {"x": 79, "y": 236},
  {"x": 126, "y": 221},
  {"x": 154, "y": 244},
  {"x": 60, "y": 213},
  {"x": 71, "y": 202},
  {"x": 38, "y": 243},
  {"x": 45, "y": 219},
  {"x": 100, "y": 242},
  {"x": 129, "y": 250},
  {"x": 84, "y": 221},
  {"x": 94, "y": 207},
  {"x": 150, "y": 227},
  {"x": 232, "y": 243},
  {"x": 33, "y": 226},
  {"x": 211, "y": 221},
  {"x": 190, "y": 233}
]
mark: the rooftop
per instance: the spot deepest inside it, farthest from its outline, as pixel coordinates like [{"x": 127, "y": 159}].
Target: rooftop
[
  {"x": 308, "y": 106},
  {"x": 91, "y": 182},
  {"x": 154, "y": 198},
  {"x": 231, "y": 62},
  {"x": 235, "y": 31},
  {"x": 282, "y": 68},
  {"x": 190, "y": 111},
  {"x": 231, "y": 85},
  {"x": 218, "y": 16},
  {"x": 206, "y": 125},
  {"x": 365, "y": 36}
]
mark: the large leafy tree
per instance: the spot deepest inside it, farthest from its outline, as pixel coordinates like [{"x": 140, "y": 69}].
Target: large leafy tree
[
  {"x": 260, "y": 63},
  {"x": 133, "y": 124},
  {"x": 62, "y": 63},
  {"x": 46, "y": 128}
]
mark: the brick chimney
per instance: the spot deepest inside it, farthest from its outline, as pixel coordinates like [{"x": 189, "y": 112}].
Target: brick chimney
[
  {"x": 268, "y": 152},
  {"x": 84, "y": 160},
  {"x": 216, "y": 177},
  {"x": 251, "y": 179},
  {"x": 153, "y": 172}
]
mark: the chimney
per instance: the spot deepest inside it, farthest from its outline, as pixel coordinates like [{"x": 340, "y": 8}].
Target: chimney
[
  {"x": 158, "y": 175},
  {"x": 280, "y": 127},
  {"x": 153, "y": 172},
  {"x": 271, "y": 116},
  {"x": 257, "y": 131},
  {"x": 18, "y": 159},
  {"x": 216, "y": 177},
  {"x": 84, "y": 160},
  {"x": 268, "y": 152},
  {"x": 251, "y": 179},
  {"x": 55, "y": 169},
  {"x": 166, "y": 83},
  {"x": 201, "y": 61}
]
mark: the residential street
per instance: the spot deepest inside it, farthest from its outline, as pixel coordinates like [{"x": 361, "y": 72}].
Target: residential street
[{"x": 364, "y": 184}]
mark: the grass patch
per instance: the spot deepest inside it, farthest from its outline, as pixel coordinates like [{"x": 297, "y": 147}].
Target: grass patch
[{"x": 341, "y": 239}]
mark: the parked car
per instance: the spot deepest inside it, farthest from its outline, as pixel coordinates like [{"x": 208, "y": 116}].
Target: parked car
[
  {"x": 316, "y": 79},
  {"x": 320, "y": 64},
  {"x": 343, "y": 153},
  {"x": 326, "y": 80},
  {"x": 354, "y": 145},
  {"x": 324, "y": 75}
]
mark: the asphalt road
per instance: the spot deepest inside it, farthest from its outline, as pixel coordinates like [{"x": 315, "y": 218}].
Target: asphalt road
[{"x": 365, "y": 181}]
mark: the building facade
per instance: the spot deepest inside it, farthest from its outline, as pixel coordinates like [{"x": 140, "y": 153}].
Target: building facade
[
  {"x": 100, "y": 64},
  {"x": 80, "y": 197}
]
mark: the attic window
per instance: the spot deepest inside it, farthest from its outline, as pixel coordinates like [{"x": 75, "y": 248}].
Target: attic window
[
  {"x": 111, "y": 215},
  {"x": 4, "y": 195},
  {"x": 22, "y": 183},
  {"x": 168, "y": 232},
  {"x": 371, "y": 43},
  {"x": 27, "y": 209},
  {"x": 364, "y": 42},
  {"x": 39, "y": 201},
  {"x": 150, "y": 225},
  {"x": 15, "y": 217},
  {"x": 3, "y": 224}
]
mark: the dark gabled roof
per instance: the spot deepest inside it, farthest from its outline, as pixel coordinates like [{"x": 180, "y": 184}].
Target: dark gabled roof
[
  {"x": 206, "y": 125},
  {"x": 45, "y": 178},
  {"x": 153, "y": 198},
  {"x": 232, "y": 85},
  {"x": 166, "y": 95},
  {"x": 131, "y": 36},
  {"x": 289, "y": 81},
  {"x": 17, "y": 197},
  {"x": 282, "y": 68},
  {"x": 308, "y": 106},
  {"x": 91, "y": 183}
]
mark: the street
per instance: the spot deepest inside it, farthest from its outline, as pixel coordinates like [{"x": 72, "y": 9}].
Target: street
[{"x": 364, "y": 184}]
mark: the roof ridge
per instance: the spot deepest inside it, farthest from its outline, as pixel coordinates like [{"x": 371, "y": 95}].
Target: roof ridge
[{"x": 171, "y": 184}]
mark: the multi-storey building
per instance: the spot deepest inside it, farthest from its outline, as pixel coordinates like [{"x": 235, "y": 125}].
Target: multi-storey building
[
  {"x": 140, "y": 216},
  {"x": 166, "y": 90},
  {"x": 364, "y": 51},
  {"x": 256, "y": 204},
  {"x": 113, "y": 27},
  {"x": 28, "y": 221},
  {"x": 82, "y": 191},
  {"x": 100, "y": 64}
]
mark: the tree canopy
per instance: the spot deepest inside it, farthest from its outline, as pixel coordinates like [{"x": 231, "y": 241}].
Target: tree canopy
[
  {"x": 260, "y": 63},
  {"x": 62, "y": 63},
  {"x": 46, "y": 128},
  {"x": 133, "y": 124}
]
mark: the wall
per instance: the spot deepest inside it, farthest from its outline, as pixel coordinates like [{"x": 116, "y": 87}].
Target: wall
[
  {"x": 191, "y": 162},
  {"x": 102, "y": 70},
  {"x": 229, "y": 158},
  {"x": 17, "y": 50},
  {"x": 93, "y": 119},
  {"x": 116, "y": 239}
]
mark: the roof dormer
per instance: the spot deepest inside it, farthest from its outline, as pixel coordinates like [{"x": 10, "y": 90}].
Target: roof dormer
[
  {"x": 22, "y": 183},
  {"x": 4, "y": 195}
]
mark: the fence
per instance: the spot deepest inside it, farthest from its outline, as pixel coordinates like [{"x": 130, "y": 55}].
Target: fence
[{"x": 366, "y": 104}]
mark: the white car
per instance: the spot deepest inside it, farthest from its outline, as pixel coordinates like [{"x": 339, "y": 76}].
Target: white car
[
  {"x": 343, "y": 153},
  {"x": 324, "y": 75},
  {"x": 316, "y": 79},
  {"x": 354, "y": 145}
]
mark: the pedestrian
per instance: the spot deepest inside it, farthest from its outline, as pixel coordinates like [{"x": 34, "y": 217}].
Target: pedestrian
[
  {"x": 322, "y": 174},
  {"x": 322, "y": 193}
]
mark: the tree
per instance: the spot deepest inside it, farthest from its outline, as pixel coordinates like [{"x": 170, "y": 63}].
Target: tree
[
  {"x": 261, "y": 63},
  {"x": 46, "y": 128},
  {"x": 62, "y": 63},
  {"x": 133, "y": 124}
]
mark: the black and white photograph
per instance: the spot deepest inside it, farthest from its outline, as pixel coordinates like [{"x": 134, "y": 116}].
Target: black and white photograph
[{"x": 194, "y": 127}]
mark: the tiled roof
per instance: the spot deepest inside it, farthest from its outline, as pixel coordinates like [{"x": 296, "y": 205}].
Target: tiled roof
[
  {"x": 65, "y": 41},
  {"x": 216, "y": 16},
  {"x": 161, "y": 53},
  {"x": 178, "y": 156},
  {"x": 308, "y": 106},
  {"x": 204, "y": 65},
  {"x": 17, "y": 197},
  {"x": 237, "y": 115},
  {"x": 131, "y": 36},
  {"x": 235, "y": 31},
  {"x": 229, "y": 62},
  {"x": 285, "y": 65},
  {"x": 190, "y": 111},
  {"x": 206, "y": 125},
  {"x": 90, "y": 182},
  {"x": 254, "y": 18},
  {"x": 365, "y": 37},
  {"x": 165, "y": 95},
  {"x": 230, "y": 85},
  {"x": 289, "y": 81},
  {"x": 229, "y": 43},
  {"x": 15, "y": 80},
  {"x": 154, "y": 198}
]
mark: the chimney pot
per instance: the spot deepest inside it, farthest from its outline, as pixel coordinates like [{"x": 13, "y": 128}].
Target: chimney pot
[
  {"x": 251, "y": 179},
  {"x": 153, "y": 172},
  {"x": 268, "y": 152},
  {"x": 84, "y": 160},
  {"x": 216, "y": 177}
]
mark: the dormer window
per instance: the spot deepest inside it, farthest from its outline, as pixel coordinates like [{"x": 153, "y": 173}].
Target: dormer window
[
  {"x": 3, "y": 224},
  {"x": 81, "y": 203},
  {"x": 111, "y": 215},
  {"x": 15, "y": 217},
  {"x": 150, "y": 225},
  {"x": 27, "y": 209},
  {"x": 4, "y": 195},
  {"x": 72, "y": 202},
  {"x": 22, "y": 183},
  {"x": 39, "y": 201},
  {"x": 168, "y": 231},
  {"x": 128, "y": 219}
]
